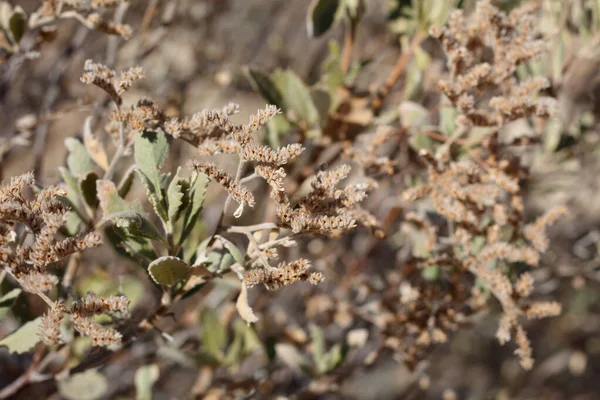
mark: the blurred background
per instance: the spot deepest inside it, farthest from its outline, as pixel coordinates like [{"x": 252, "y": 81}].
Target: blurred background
[{"x": 196, "y": 54}]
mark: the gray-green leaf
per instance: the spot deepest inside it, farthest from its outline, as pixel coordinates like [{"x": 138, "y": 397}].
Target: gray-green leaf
[
  {"x": 175, "y": 197},
  {"x": 299, "y": 104},
  {"x": 168, "y": 270},
  {"x": 198, "y": 185},
  {"x": 88, "y": 385},
  {"x": 151, "y": 150},
  {"x": 145, "y": 377},
  {"x": 78, "y": 161},
  {"x": 213, "y": 333},
  {"x": 24, "y": 338},
  {"x": 136, "y": 224},
  {"x": 233, "y": 250}
]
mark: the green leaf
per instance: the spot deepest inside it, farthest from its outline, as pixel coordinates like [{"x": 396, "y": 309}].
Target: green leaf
[
  {"x": 447, "y": 124},
  {"x": 94, "y": 146},
  {"x": 136, "y": 224},
  {"x": 154, "y": 196},
  {"x": 233, "y": 250},
  {"x": 168, "y": 270},
  {"x": 317, "y": 346},
  {"x": 17, "y": 24},
  {"x": 235, "y": 351},
  {"x": 78, "y": 161},
  {"x": 145, "y": 377},
  {"x": 266, "y": 87},
  {"x": 299, "y": 104},
  {"x": 24, "y": 338},
  {"x": 150, "y": 151},
  {"x": 7, "y": 301},
  {"x": 198, "y": 185},
  {"x": 333, "y": 73},
  {"x": 110, "y": 201},
  {"x": 334, "y": 357},
  {"x": 213, "y": 333},
  {"x": 89, "y": 190},
  {"x": 321, "y": 16},
  {"x": 75, "y": 191},
  {"x": 322, "y": 102},
  {"x": 88, "y": 385},
  {"x": 175, "y": 197},
  {"x": 137, "y": 248},
  {"x": 431, "y": 273}
]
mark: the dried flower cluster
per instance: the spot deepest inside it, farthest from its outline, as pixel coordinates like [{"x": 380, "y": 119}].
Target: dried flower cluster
[
  {"x": 86, "y": 12},
  {"x": 82, "y": 313},
  {"x": 107, "y": 79},
  {"x": 481, "y": 198},
  {"x": 27, "y": 250},
  {"x": 29, "y": 245},
  {"x": 284, "y": 274},
  {"x": 482, "y": 86}
]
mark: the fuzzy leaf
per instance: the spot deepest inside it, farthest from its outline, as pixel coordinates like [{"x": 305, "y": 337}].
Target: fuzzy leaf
[
  {"x": 94, "y": 147},
  {"x": 136, "y": 224},
  {"x": 74, "y": 192},
  {"x": 266, "y": 87},
  {"x": 110, "y": 201},
  {"x": 197, "y": 191},
  {"x": 78, "y": 160},
  {"x": 88, "y": 385},
  {"x": 168, "y": 270},
  {"x": 24, "y": 338},
  {"x": 154, "y": 196},
  {"x": 175, "y": 196},
  {"x": 145, "y": 377},
  {"x": 213, "y": 333},
  {"x": 232, "y": 249},
  {"x": 150, "y": 150},
  {"x": 7, "y": 301},
  {"x": 243, "y": 307}
]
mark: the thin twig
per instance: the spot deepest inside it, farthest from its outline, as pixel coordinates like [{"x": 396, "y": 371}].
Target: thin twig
[
  {"x": 395, "y": 74},
  {"x": 349, "y": 40}
]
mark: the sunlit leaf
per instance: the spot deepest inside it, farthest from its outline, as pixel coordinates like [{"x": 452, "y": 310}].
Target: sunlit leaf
[
  {"x": 78, "y": 160},
  {"x": 243, "y": 307},
  {"x": 197, "y": 191},
  {"x": 168, "y": 270},
  {"x": 94, "y": 146},
  {"x": 110, "y": 201},
  {"x": 24, "y": 338},
  {"x": 175, "y": 196}
]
